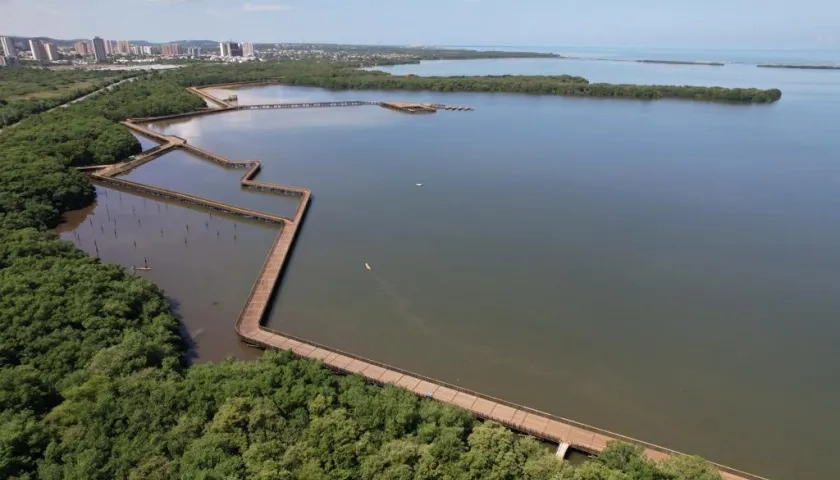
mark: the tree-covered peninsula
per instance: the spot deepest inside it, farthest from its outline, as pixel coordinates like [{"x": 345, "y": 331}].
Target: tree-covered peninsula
[
  {"x": 92, "y": 373},
  {"x": 340, "y": 76}
]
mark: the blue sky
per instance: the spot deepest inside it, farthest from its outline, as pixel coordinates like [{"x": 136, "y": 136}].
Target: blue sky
[{"x": 659, "y": 23}]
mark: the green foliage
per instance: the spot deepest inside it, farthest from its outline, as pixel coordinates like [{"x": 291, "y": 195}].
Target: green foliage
[
  {"x": 685, "y": 467},
  {"x": 36, "y": 185},
  {"x": 60, "y": 309},
  {"x": 546, "y": 85},
  {"x": 628, "y": 459},
  {"x": 27, "y": 91},
  {"x": 334, "y": 75}
]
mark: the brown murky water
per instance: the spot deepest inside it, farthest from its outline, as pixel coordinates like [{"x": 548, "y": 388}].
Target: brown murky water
[{"x": 206, "y": 263}]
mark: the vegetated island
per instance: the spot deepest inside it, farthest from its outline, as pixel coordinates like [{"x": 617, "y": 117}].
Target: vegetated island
[
  {"x": 94, "y": 381},
  {"x": 800, "y": 67},
  {"x": 342, "y": 76},
  {"x": 683, "y": 62}
]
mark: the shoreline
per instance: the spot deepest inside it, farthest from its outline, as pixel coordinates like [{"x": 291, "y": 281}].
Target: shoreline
[
  {"x": 367, "y": 77},
  {"x": 798, "y": 67}
]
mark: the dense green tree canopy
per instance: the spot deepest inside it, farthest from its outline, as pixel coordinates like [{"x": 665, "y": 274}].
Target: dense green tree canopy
[
  {"x": 345, "y": 77},
  {"x": 26, "y": 91}
]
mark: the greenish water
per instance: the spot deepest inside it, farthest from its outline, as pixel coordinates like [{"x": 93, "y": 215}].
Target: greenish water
[{"x": 667, "y": 270}]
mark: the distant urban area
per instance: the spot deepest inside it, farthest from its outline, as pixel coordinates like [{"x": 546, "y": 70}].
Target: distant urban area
[
  {"x": 103, "y": 53},
  {"x": 98, "y": 51}
]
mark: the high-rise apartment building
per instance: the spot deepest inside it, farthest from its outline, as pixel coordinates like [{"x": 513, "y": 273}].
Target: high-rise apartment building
[
  {"x": 99, "y": 50},
  {"x": 230, "y": 49},
  {"x": 52, "y": 52},
  {"x": 248, "y": 49},
  {"x": 82, "y": 48},
  {"x": 194, "y": 52},
  {"x": 8, "y": 44},
  {"x": 124, "y": 47},
  {"x": 109, "y": 48},
  {"x": 37, "y": 48},
  {"x": 172, "y": 50}
]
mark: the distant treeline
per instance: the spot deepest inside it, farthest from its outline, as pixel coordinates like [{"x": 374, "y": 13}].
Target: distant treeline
[
  {"x": 802, "y": 67},
  {"x": 344, "y": 77},
  {"x": 419, "y": 55},
  {"x": 683, "y": 62},
  {"x": 564, "y": 85}
]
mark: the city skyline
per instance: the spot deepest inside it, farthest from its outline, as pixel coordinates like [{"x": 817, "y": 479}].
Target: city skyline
[{"x": 714, "y": 23}]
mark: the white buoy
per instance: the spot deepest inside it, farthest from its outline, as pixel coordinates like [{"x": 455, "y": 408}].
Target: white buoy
[{"x": 367, "y": 266}]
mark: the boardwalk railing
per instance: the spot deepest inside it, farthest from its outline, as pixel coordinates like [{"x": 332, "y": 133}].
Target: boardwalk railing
[
  {"x": 187, "y": 198},
  {"x": 207, "y": 96},
  {"x": 174, "y": 116},
  {"x": 306, "y": 105}
]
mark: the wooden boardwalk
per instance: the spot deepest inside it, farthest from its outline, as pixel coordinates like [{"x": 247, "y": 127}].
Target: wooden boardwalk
[{"x": 567, "y": 433}]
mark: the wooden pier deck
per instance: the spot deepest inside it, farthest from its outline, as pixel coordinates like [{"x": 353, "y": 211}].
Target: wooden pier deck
[{"x": 565, "y": 432}]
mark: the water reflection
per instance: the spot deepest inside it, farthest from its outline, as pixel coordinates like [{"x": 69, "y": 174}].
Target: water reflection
[
  {"x": 205, "y": 262},
  {"x": 184, "y": 172}
]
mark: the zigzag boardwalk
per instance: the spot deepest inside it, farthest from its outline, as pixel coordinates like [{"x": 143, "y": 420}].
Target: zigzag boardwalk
[{"x": 567, "y": 433}]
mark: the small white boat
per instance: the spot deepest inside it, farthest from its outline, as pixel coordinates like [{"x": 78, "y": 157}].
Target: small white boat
[
  {"x": 367, "y": 266},
  {"x": 418, "y": 184}
]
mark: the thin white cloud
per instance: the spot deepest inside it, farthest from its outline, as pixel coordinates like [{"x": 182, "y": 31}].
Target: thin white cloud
[{"x": 265, "y": 7}]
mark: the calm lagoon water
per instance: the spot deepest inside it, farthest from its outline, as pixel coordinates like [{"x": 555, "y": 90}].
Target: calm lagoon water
[
  {"x": 204, "y": 263},
  {"x": 669, "y": 270}
]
